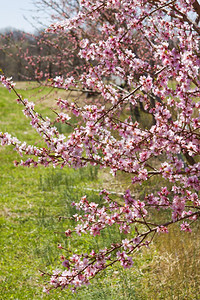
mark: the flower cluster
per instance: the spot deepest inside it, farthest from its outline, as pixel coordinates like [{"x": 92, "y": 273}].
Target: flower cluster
[{"x": 7, "y": 82}]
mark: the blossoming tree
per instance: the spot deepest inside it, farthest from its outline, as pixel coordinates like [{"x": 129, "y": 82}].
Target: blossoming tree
[{"x": 108, "y": 135}]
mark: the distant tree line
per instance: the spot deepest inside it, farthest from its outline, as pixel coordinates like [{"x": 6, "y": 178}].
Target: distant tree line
[{"x": 38, "y": 57}]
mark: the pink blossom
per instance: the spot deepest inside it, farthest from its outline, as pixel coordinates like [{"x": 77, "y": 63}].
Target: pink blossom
[
  {"x": 7, "y": 82},
  {"x": 146, "y": 83},
  {"x": 185, "y": 227},
  {"x": 162, "y": 229}
]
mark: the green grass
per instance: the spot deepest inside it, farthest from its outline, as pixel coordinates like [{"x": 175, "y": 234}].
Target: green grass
[
  {"x": 30, "y": 207},
  {"x": 32, "y": 199}
]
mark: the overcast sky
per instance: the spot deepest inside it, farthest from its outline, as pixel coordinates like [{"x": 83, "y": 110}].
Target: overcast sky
[{"x": 12, "y": 13}]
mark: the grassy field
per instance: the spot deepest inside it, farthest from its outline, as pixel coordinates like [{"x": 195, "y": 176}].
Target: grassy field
[{"x": 33, "y": 199}]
